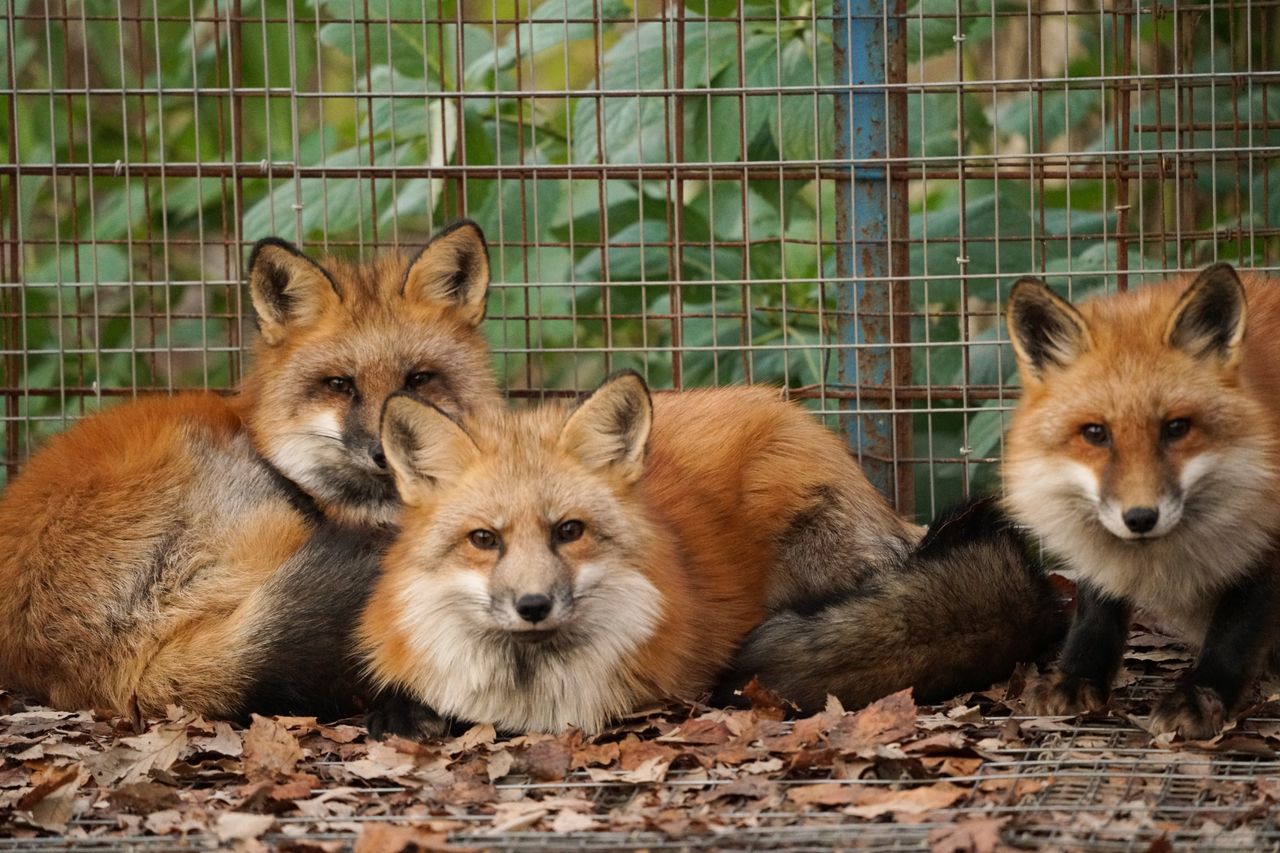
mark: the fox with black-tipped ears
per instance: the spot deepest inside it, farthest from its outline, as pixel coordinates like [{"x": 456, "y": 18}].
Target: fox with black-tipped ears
[
  {"x": 210, "y": 552},
  {"x": 1145, "y": 454},
  {"x": 563, "y": 566}
]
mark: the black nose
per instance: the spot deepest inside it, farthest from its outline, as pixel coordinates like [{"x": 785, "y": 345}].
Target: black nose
[
  {"x": 1141, "y": 519},
  {"x": 533, "y": 608},
  {"x": 379, "y": 458}
]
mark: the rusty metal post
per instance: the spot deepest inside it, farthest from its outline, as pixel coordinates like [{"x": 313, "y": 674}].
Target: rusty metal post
[
  {"x": 11, "y": 265},
  {"x": 871, "y": 237}
]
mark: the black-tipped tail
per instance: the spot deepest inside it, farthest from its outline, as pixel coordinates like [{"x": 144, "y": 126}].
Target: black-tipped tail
[{"x": 969, "y": 603}]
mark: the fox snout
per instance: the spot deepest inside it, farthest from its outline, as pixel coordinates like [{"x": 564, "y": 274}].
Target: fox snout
[
  {"x": 532, "y": 611},
  {"x": 1141, "y": 519}
]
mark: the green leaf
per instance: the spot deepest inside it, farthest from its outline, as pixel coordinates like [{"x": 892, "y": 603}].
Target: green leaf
[
  {"x": 411, "y": 49},
  {"x": 549, "y": 26},
  {"x": 332, "y": 206},
  {"x": 1059, "y": 111},
  {"x": 634, "y": 128},
  {"x": 96, "y": 263},
  {"x": 795, "y": 124},
  {"x": 713, "y": 8},
  {"x": 932, "y": 25}
]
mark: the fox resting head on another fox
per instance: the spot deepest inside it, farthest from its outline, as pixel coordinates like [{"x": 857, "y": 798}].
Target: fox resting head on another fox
[{"x": 336, "y": 340}]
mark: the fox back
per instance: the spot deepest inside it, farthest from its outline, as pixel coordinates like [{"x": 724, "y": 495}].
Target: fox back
[
  {"x": 561, "y": 566},
  {"x": 1145, "y": 449}
]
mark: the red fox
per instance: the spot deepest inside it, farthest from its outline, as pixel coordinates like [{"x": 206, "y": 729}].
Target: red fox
[
  {"x": 167, "y": 550},
  {"x": 337, "y": 339},
  {"x": 1144, "y": 453},
  {"x": 560, "y": 567}
]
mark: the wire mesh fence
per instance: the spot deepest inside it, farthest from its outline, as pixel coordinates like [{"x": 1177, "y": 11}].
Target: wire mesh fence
[{"x": 832, "y": 196}]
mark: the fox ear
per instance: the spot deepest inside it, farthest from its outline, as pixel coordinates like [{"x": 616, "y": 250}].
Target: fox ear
[
  {"x": 287, "y": 288},
  {"x": 454, "y": 267},
  {"x": 1209, "y": 318},
  {"x": 610, "y": 428},
  {"x": 425, "y": 448},
  {"x": 1045, "y": 329}
]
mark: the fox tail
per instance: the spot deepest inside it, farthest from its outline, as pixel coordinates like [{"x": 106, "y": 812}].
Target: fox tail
[{"x": 969, "y": 602}]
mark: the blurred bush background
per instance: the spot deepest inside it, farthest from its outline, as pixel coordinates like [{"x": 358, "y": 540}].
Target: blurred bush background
[{"x": 152, "y": 141}]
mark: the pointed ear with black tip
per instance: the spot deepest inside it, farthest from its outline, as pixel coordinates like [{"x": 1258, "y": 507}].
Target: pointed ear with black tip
[
  {"x": 609, "y": 430},
  {"x": 426, "y": 449},
  {"x": 1045, "y": 329},
  {"x": 454, "y": 267},
  {"x": 1208, "y": 321},
  {"x": 288, "y": 289}
]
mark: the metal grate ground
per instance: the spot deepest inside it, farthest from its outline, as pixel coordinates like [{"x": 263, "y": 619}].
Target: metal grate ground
[{"x": 1096, "y": 784}]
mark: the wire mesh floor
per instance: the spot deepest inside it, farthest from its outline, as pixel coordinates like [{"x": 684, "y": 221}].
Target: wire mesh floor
[{"x": 974, "y": 774}]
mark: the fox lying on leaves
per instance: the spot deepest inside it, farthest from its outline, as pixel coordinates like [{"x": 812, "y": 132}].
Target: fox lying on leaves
[
  {"x": 1146, "y": 453},
  {"x": 563, "y": 566},
  {"x": 172, "y": 550}
]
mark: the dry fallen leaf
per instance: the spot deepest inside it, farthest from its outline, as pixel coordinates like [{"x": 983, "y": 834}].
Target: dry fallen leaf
[
  {"x": 143, "y": 798},
  {"x": 568, "y": 820},
  {"x": 864, "y": 801},
  {"x": 884, "y": 721},
  {"x": 51, "y": 803},
  {"x": 389, "y": 838},
  {"x": 270, "y": 750},
  {"x": 225, "y": 741},
  {"x": 546, "y": 761},
  {"x": 648, "y": 771},
  {"x": 382, "y": 762},
  {"x": 133, "y": 759},
  {"x": 981, "y": 835},
  {"x": 499, "y": 765},
  {"x": 241, "y": 826},
  {"x": 702, "y": 731}
]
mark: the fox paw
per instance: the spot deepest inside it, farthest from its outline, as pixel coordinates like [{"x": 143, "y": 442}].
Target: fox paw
[
  {"x": 1195, "y": 713},
  {"x": 404, "y": 717},
  {"x": 1057, "y": 695}
]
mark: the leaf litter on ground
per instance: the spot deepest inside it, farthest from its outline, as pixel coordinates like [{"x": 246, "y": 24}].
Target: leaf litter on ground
[{"x": 298, "y": 783}]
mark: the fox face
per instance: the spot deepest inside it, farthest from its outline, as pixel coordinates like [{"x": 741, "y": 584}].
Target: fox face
[
  {"x": 337, "y": 340},
  {"x": 516, "y": 592},
  {"x": 1138, "y": 452}
]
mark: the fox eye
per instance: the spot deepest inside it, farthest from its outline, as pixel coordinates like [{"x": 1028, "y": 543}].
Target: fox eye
[
  {"x": 340, "y": 384},
  {"x": 417, "y": 379},
  {"x": 485, "y": 540},
  {"x": 1174, "y": 429},
  {"x": 569, "y": 531},
  {"x": 1095, "y": 434}
]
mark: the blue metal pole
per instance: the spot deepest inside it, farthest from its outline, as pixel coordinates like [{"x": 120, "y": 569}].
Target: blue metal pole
[{"x": 871, "y": 223}]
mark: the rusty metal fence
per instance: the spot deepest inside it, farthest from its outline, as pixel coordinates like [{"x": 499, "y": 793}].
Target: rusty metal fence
[{"x": 833, "y": 196}]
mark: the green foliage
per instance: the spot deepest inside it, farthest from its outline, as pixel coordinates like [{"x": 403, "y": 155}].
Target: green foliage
[{"x": 716, "y": 278}]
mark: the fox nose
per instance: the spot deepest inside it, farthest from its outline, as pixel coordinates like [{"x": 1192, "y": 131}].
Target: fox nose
[
  {"x": 1141, "y": 519},
  {"x": 533, "y": 608},
  {"x": 375, "y": 453}
]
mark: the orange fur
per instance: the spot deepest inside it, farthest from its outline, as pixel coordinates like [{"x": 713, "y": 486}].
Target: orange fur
[
  {"x": 141, "y": 551},
  {"x": 728, "y": 474},
  {"x": 82, "y": 523},
  {"x": 1145, "y": 453}
]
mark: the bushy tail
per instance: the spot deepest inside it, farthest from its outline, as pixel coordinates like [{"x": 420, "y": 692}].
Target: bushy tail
[{"x": 967, "y": 605}]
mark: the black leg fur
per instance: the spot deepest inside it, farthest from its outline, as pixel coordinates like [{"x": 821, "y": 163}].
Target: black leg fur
[
  {"x": 1090, "y": 659},
  {"x": 302, "y": 657},
  {"x": 1238, "y": 637},
  {"x": 394, "y": 713},
  {"x": 966, "y": 605}
]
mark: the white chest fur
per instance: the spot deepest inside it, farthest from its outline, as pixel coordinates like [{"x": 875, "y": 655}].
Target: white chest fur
[{"x": 470, "y": 670}]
